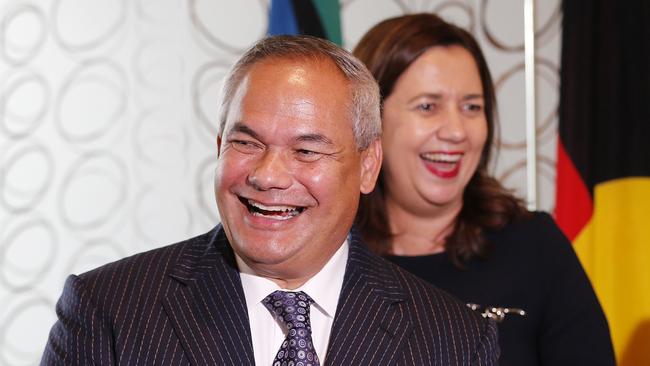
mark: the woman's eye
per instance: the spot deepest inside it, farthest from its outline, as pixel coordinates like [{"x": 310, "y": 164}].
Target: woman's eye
[
  {"x": 425, "y": 107},
  {"x": 473, "y": 107}
]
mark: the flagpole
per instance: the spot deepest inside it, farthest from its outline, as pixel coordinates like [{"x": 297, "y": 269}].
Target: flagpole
[{"x": 529, "y": 66}]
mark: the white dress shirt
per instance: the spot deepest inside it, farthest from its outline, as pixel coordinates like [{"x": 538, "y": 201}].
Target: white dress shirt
[{"x": 324, "y": 288}]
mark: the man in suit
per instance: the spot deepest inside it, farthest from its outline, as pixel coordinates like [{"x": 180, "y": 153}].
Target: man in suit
[{"x": 283, "y": 280}]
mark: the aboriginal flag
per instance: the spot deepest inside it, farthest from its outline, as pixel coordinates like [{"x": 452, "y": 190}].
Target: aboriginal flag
[
  {"x": 603, "y": 171},
  {"x": 319, "y": 18}
]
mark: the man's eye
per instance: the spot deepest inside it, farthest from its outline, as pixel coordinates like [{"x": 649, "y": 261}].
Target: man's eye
[
  {"x": 240, "y": 143},
  {"x": 307, "y": 155},
  {"x": 244, "y": 146}
]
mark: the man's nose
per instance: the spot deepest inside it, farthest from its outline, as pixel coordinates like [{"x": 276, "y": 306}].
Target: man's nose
[
  {"x": 452, "y": 127},
  {"x": 270, "y": 172}
]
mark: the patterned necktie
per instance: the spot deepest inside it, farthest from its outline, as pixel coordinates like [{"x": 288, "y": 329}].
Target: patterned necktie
[{"x": 292, "y": 308}]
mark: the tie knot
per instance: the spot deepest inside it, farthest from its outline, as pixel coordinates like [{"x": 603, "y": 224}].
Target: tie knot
[{"x": 292, "y": 308}]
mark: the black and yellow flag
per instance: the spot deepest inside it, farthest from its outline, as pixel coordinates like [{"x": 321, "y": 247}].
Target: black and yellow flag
[{"x": 603, "y": 172}]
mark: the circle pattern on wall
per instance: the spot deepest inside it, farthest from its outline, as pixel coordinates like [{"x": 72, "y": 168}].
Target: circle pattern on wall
[{"x": 109, "y": 111}]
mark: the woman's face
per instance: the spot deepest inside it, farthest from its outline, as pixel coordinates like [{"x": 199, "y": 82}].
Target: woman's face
[{"x": 434, "y": 130}]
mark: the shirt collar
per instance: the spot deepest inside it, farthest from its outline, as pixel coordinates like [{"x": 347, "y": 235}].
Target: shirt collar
[{"x": 324, "y": 287}]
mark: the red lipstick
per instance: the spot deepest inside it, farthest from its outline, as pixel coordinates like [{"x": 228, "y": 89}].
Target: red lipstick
[{"x": 443, "y": 164}]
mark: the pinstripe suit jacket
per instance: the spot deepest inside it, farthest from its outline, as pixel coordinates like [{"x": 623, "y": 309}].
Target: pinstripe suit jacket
[{"x": 184, "y": 304}]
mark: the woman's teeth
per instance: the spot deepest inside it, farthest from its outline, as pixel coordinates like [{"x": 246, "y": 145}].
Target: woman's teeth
[{"x": 441, "y": 157}]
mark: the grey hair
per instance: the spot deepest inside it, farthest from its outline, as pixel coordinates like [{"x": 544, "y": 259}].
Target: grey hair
[{"x": 364, "y": 107}]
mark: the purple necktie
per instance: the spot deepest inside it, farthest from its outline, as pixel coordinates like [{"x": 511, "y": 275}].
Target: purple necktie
[{"x": 292, "y": 308}]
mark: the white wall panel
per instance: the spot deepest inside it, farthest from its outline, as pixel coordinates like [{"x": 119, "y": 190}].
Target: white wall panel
[{"x": 108, "y": 113}]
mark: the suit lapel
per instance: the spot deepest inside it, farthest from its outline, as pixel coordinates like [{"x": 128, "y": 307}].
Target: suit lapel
[
  {"x": 208, "y": 309},
  {"x": 372, "y": 321}
]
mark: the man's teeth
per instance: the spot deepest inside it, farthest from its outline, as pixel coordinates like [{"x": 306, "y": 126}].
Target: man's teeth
[
  {"x": 276, "y": 217},
  {"x": 442, "y": 157},
  {"x": 271, "y": 208},
  {"x": 279, "y": 212}
]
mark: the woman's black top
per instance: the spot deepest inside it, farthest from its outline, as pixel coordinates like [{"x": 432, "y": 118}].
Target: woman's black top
[{"x": 532, "y": 266}]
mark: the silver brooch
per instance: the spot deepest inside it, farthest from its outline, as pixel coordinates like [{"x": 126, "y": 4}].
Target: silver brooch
[{"x": 496, "y": 313}]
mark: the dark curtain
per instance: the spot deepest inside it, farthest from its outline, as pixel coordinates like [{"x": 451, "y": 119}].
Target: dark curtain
[{"x": 605, "y": 88}]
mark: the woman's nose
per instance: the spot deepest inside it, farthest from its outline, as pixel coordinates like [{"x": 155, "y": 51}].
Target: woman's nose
[{"x": 452, "y": 126}]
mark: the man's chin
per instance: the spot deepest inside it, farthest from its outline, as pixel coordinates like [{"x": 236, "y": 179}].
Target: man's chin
[
  {"x": 271, "y": 264},
  {"x": 265, "y": 251}
]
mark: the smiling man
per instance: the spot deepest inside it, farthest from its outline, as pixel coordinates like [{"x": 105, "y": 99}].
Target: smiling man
[
  {"x": 289, "y": 171},
  {"x": 284, "y": 279}
]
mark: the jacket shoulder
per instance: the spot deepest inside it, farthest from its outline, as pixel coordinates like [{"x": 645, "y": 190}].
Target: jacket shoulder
[
  {"x": 440, "y": 318},
  {"x": 434, "y": 297},
  {"x": 136, "y": 282},
  {"x": 160, "y": 260}
]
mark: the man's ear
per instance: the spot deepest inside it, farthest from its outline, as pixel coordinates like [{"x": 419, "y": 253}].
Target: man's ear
[
  {"x": 370, "y": 165},
  {"x": 218, "y": 145}
]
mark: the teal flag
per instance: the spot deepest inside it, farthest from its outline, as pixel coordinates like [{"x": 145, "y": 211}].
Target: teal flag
[{"x": 319, "y": 18}]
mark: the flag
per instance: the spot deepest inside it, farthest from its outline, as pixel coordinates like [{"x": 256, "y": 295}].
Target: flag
[
  {"x": 319, "y": 18},
  {"x": 603, "y": 165}
]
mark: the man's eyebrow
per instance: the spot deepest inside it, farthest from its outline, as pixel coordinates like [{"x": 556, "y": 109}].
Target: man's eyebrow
[
  {"x": 314, "y": 137},
  {"x": 240, "y": 127}
]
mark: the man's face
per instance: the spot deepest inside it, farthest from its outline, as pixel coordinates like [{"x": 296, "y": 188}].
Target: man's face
[{"x": 289, "y": 173}]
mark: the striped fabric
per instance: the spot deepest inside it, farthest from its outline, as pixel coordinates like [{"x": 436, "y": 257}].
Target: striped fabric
[{"x": 183, "y": 305}]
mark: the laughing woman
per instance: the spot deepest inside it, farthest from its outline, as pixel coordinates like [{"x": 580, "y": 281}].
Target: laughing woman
[{"x": 437, "y": 212}]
